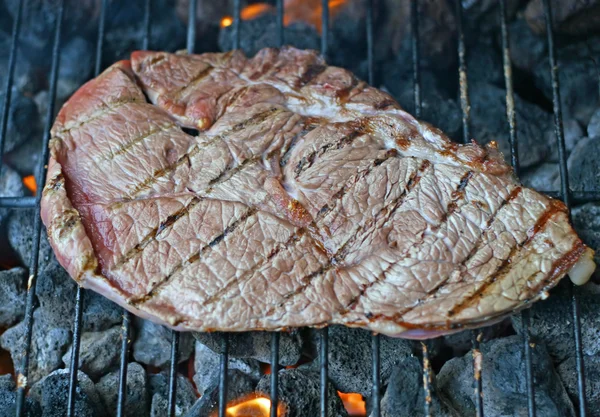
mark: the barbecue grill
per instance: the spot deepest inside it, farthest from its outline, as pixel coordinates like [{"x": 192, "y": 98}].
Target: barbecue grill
[{"x": 565, "y": 194}]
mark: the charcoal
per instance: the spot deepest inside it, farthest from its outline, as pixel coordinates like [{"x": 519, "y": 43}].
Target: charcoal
[
  {"x": 256, "y": 345},
  {"x": 567, "y": 371},
  {"x": 51, "y": 393},
  {"x": 405, "y": 396},
  {"x": 13, "y": 291},
  {"x": 11, "y": 184},
  {"x": 526, "y": 47},
  {"x": 552, "y": 322},
  {"x": 488, "y": 107},
  {"x": 569, "y": 16},
  {"x": 124, "y": 32},
  {"x": 137, "y": 402},
  {"x": 239, "y": 385},
  {"x": 23, "y": 120},
  {"x": 484, "y": 14},
  {"x": 76, "y": 66},
  {"x": 586, "y": 219},
  {"x": 25, "y": 158},
  {"x": 578, "y": 78},
  {"x": 573, "y": 134},
  {"x": 436, "y": 107},
  {"x": 23, "y": 77},
  {"x": 299, "y": 390},
  {"x": 544, "y": 177},
  {"x": 8, "y": 399},
  {"x": 99, "y": 352},
  {"x": 593, "y": 129},
  {"x": 484, "y": 61},
  {"x": 584, "y": 165},
  {"x": 206, "y": 368},
  {"x": 261, "y": 32},
  {"x": 159, "y": 391},
  {"x": 152, "y": 345},
  {"x": 350, "y": 358},
  {"x": 49, "y": 343},
  {"x": 504, "y": 381},
  {"x": 20, "y": 237},
  {"x": 460, "y": 343}
]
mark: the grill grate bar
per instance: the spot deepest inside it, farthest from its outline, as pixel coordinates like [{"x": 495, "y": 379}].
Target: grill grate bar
[
  {"x": 376, "y": 388},
  {"x": 324, "y": 365},
  {"x": 147, "y": 27},
  {"x": 74, "y": 366},
  {"x": 173, "y": 373},
  {"x": 566, "y": 197},
  {"x": 125, "y": 343},
  {"x": 514, "y": 156},
  {"x": 280, "y": 31},
  {"x": 224, "y": 359},
  {"x": 274, "y": 373},
  {"x": 191, "y": 26},
  {"x": 414, "y": 27},
  {"x": 427, "y": 380},
  {"x": 22, "y": 382},
  {"x": 12, "y": 62},
  {"x": 477, "y": 359},
  {"x": 79, "y": 302},
  {"x": 324, "y": 27},
  {"x": 237, "y": 20},
  {"x": 462, "y": 73}
]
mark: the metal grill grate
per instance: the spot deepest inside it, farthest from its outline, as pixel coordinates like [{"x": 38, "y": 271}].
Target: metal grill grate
[{"x": 34, "y": 202}]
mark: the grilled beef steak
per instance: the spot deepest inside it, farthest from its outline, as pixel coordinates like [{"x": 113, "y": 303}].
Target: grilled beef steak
[{"x": 306, "y": 198}]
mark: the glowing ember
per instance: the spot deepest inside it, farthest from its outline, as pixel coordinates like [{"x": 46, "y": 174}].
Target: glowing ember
[
  {"x": 354, "y": 404},
  {"x": 29, "y": 182},
  {"x": 309, "y": 11},
  {"x": 251, "y": 406}
]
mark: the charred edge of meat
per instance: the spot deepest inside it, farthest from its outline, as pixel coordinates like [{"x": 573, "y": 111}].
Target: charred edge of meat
[
  {"x": 192, "y": 259},
  {"x": 307, "y": 161},
  {"x": 505, "y": 266},
  {"x": 561, "y": 266},
  {"x": 384, "y": 104},
  {"x": 168, "y": 222},
  {"x": 410, "y": 185},
  {"x": 352, "y": 181},
  {"x": 452, "y": 206},
  {"x": 55, "y": 183},
  {"x": 343, "y": 94},
  {"x": 295, "y": 238},
  {"x": 312, "y": 72}
]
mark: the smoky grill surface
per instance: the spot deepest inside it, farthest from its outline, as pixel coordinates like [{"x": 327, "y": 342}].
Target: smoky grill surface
[{"x": 307, "y": 198}]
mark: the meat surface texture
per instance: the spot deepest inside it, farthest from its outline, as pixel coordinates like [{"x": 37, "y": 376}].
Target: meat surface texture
[{"x": 216, "y": 192}]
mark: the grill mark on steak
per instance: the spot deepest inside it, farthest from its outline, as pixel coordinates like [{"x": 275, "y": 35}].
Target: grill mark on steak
[
  {"x": 127, "y": 146},
  {"x": 561, "y": 266},
  {"x": 339, "y": 257},
  {"x": 458, "y": 194},
  {"x": 193, "y": 82},
  {"x": 102, "y": 112},
  {"x": 307, "y": 161},
  {"x": 506, "y": 265},
  {"x": 186, "y": 158},
  {"x": 150, "y": 237},
  {"x": 193, "y": 258},
  {"x": 352, "y": 182},
  {"x": 294, "y": 238},
  {"x": 434, "y": 292}
]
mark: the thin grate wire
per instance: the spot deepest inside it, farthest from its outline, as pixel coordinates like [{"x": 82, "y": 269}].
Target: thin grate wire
[
  {"x": 566, "y": 197},
  {"x": 79, "y": 296},
  {"x": 12, "y": 62},
  {"x": 22, "y": 382},
  {"x": 511, "y": 118}
]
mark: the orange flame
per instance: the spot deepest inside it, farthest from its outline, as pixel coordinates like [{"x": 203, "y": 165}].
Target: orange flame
[
  {"x": 309, "y": 11},
  {"x": 29, "y": 182},
  {"x": 354, "y": 404},
  {"x": 251, "y": 406}
]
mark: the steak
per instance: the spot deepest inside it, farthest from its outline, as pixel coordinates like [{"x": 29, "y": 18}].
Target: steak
[{"x": 216, "y": 192}]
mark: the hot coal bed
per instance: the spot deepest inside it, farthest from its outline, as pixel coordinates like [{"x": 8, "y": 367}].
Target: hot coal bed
[{"x": 65, "y": 351}]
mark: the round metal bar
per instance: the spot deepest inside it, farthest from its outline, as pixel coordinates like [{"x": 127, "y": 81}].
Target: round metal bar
[
  {"x": 462, "y": 73},
  {"x": 376, "y": 385},
  {"x": 173, "y": 373},
  {"x": 324, "y": 366},
  {"x": 191, "y": 26},
  {"x": 280, "y": 30},
  {"x": 125, "y": 343},
  {"x": 414, "y": 26},
  {"x": 237, "y": 21},
  {"x": 274, "y": 373},
  {"x": 223, "y": 365},
  {"x": 324, "y": 27},
  {"x": 74, "y": 366}
]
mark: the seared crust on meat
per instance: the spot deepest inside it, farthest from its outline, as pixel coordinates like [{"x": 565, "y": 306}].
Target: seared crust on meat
[{"x": 308, "y": 198}]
